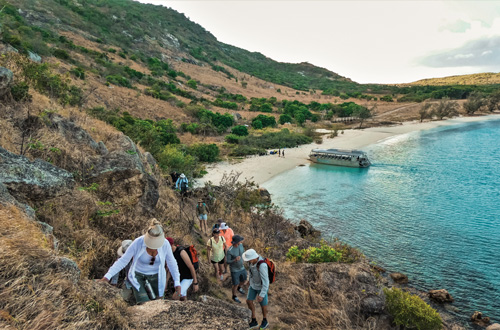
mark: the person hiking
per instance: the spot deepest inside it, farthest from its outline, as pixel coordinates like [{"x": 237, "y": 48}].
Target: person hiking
[
  {"x": 125, "y": 285},
  {"x": 202, "y": 211},
  {"x": 259, "y": 286},
  {"x": 182, "y": 184},
  {"x": 174, "y": 175},
  {"x": 216, "y": 254},
  {"x": 186, "y": 269},
  {"x": 228, "y": 234},
  {"x": 238, "y": 272},
  {"x": 148, "y": 254}
]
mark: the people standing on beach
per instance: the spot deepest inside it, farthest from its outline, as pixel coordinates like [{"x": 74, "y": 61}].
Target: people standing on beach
[
  {"x": 216, "y": 254},
  {"x": 283, "y": 153},
  {"x": 228, "y": 234},
  {"x": 186, "y": 269},
  {"x": 259, "y": 286},
  {"x": 202, "y": 211},
  {"x": 147, "y": 273},
  {"x": 238, "y": 272}
]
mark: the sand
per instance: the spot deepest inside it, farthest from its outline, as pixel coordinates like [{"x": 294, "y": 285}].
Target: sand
[{"x": 262, "y": 168}]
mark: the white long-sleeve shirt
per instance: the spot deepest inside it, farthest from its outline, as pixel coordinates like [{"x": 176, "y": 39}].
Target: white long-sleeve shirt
[{"x": 135, "y": 250}]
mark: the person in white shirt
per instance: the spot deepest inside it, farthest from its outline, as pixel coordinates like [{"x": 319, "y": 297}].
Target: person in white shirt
[{"x": 148, "y": 254}]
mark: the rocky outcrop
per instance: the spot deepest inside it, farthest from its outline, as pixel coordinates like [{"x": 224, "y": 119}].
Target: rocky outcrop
[
  {"x": 265, "y": 195},
  {"x": 399, "y": 278},
  {"x": 37, "y": 180},
  {"x": 67, "y": 267},
  {"x": 121, "y": 174},
  {"x": 208, "y": 313},
  {"x": 6, "y": 77},
  {"x": 440, "y": 296},
  {"x": 494, "y": 326},
  {"x": 306, "y": 229},
  {"x": 73, "y": 133},
  {"x": 479, "y": 319}
]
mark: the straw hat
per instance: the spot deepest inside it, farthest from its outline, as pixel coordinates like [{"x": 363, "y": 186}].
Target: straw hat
[{"x": 125, "y": 244}]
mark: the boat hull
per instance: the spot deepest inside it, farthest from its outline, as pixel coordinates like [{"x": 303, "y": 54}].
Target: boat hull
[{"x": 339, "y": 162}]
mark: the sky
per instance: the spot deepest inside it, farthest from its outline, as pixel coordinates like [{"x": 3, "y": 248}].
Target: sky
[{"x": 373, "y": 41}]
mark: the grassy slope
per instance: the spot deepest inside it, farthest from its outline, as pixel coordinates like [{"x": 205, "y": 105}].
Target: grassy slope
[{"x": 487, "y": 78}]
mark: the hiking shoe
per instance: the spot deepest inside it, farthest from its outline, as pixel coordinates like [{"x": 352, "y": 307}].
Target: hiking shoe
[
  {"x": 253, "y": 324},
  {"x": 237, "y": 299},
  {"x": 240, "y": 290},
  {"x": 264, "y": 324}
]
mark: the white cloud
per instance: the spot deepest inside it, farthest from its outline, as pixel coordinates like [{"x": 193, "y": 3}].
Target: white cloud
[{"x": 486, "y": 52}]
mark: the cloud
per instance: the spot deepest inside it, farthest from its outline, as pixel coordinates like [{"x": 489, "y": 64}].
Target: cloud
[
  {"x": 459, "y": 26},
  {"x": 483, "y": 52}
]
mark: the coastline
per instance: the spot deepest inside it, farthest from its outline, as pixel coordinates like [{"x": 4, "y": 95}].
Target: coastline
[{"x": 262, "y": 168}]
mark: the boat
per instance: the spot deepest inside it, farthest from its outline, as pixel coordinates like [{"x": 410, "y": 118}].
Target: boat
[{"x": 349, "y": 158}]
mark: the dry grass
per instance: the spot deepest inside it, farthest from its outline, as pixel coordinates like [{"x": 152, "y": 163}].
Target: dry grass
[{"x": 34, "y": 295}]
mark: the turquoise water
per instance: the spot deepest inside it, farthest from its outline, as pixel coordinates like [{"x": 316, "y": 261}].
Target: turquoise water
[{"x": 429, "y": 207}]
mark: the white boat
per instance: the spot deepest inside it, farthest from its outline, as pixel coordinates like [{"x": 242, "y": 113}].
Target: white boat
[{"x": 349, "y": 158}]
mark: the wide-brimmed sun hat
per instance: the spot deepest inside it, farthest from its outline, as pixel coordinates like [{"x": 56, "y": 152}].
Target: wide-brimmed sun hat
[
  {"x": 183, "y": 176},
  {"x": 236, "y": 239},
  {"x": 154, "y": 238},
  {"x": 250, "y": 255},
  {"x": 125, "y": 244},
  {"x": 223, "y": 226}
]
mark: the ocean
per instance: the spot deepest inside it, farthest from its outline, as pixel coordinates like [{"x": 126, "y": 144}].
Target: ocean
[{"x": 428, "y": 207}]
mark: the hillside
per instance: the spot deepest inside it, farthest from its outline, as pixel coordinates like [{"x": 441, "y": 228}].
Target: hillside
[{"x": 488, "y": 78}]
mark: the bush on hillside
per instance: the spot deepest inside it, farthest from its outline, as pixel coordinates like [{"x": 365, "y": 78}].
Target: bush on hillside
[
  {"x": 314, "y": 255},
  {"x": 204, "y": 152},
  {"x": 232, "y": 138},
  {"x": 282, "y": 139},
  {"x": 411, "y": 311},
  {"x": 240, "y": 130}
]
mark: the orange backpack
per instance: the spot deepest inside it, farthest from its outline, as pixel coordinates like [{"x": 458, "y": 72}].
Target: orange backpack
[
  {"x": 193, "y": 255},
  {"x": 271, "y": 269}
]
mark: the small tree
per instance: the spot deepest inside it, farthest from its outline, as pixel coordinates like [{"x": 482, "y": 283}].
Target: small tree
[
  {"x": 494, "y": 101},
  {"x": 425, "y": 111},
  {"x": 363, "y": 113},
  {"x": 446, "y": 108},
  {"x": 284, "y": 118},
  {"x": 240, "y": 130},
  {"x": 474, "y": 102}
]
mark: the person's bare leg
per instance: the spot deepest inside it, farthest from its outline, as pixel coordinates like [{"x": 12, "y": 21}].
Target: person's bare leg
[
  {"x": 252, "y": 308},
  {"x": 264, "y": 312}
]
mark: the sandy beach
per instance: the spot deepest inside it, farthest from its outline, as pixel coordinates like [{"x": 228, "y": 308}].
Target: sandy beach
[{"x": 262, "y": 168}]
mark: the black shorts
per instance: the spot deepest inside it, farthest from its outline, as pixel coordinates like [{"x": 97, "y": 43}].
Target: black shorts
[{"x": 218, "y": 262}]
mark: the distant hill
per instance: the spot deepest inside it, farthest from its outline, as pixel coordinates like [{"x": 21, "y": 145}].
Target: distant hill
[{"x": 488, "y": 78}]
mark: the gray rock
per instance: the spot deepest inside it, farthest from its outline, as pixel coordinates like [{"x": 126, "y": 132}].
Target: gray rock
[
  {"x": 372, "y": 304},
  {"x": 440, "y": 296},
  {"x": 102, "y": 148},
  {"x": 150, "y": 159},
  {"x": 306, "y": 229},
  {"x": 67, "y": 266},
  {"x": 37, "y": 180},
  {"x": 237, "y": 117},
  {"x": 6, "y": 77},
  {"x": 6, "y": 48},
  {"x": 265, "y": 195},
  {"x": 494, "y": 326},
  {"x": 480, "y": 319},
  {"x": 399, "y": 278},
  {"x": 34, "y": 57},
  {"x": 6, "y": 199},
  {"x": 72, "y": 132}
]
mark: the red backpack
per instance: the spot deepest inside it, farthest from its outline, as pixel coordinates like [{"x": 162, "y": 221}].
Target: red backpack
[{"x": 271, "y": 269}]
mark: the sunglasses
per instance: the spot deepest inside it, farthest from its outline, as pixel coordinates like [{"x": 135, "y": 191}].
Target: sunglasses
[{"x": 152, "y": 262}]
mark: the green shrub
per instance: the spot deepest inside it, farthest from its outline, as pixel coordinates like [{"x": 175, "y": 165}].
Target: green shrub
[
  {"x": 240, "y": 130},
  {"x": 232, "y": 138},
  {"x": 204, "y": 152},
  {"x": 386, "y": 98},
  {"x": 61, "y": 54},
  {"x": 20, "y": 92},
  {"x": 246, "y": 150},
  {"x": 192, "y": 83},
  {"x": 119, "y": 80},
  {"x": 324, "y": 253},
  {"x": 411, "y": 311},
  {"x": 78, "y": 72},
  {"x": 284, "y": 118}
]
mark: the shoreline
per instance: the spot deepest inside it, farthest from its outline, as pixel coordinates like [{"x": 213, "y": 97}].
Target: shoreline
[{"x": 263, "y": 168}]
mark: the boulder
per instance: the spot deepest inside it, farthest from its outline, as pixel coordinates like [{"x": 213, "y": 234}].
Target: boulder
[
  {"x": 237, "y": 117},
  {"x": 479, "y": 319},
  {"x": 34, "y": 57},
  {"x": 440, "y": 296},
  {"x": 73, "y": 133},
  {"x": 208, "y": 313},
  {"x": 121, "y": 175},
  {"x": 37, "y": 180},
  {"x": 6, "y": 77},
  {"x": 494, "y": 326},
  {"x": 6, "y": 199},
  {"x": 306, "y": 229},
  {"x": 68, "y": 267},
  {"x": 372, "y": 304},
  {"x": 265, "y": 195},
  {"x": 399, "y": 278}
]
